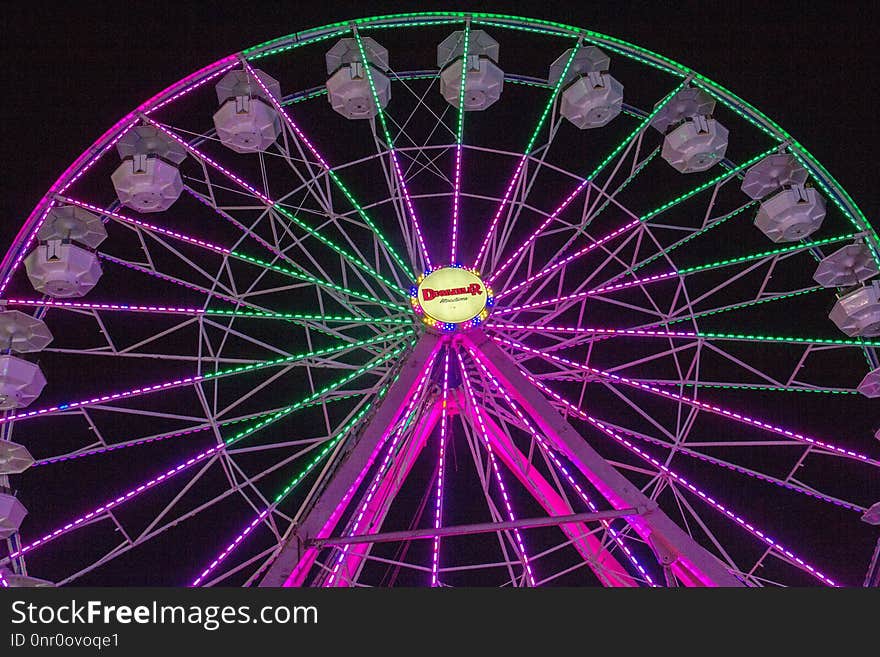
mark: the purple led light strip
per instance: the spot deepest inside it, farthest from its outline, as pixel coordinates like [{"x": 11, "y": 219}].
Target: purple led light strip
[
  {"x": 718, "y": 410},
  {"x": 773, "y": 544},
  {"x": 456, "y": 199},
  {"x": 709, "y": 459},
  {"x": 3, "y": 583},
  {"x": 438, "y": 500},
  {"x": 551, "y": 268},
  {"x": 107, "y": 506},
  {"x": 147, "y": 226},
  {"x": 553, "y": 457},
  {"x": 84, "y": 305},
  {"x": 597, "y": 331},
  {"x": 112, "y": 448},
  {"x": 85, "y": 161},
  {"x": 171, "y": 279},
  {"x": 374, "y": 485},
  {"x": 229, "y": 548},
  {"x": 530, "y": 577},
  {"x": 590, "y": 293}
]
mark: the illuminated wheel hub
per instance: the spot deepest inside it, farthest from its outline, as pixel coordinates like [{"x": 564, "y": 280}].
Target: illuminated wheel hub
[{"x": 451, "y": 298}]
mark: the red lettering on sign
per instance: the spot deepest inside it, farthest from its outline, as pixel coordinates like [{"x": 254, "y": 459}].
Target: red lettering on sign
[{"x": 473, "y": 289}]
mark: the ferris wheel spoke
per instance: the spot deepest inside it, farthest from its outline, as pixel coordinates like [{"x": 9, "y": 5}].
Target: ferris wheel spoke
[
  {"x": 514, "y": 179},
  {"x": 401, "y": 181},
  {"x": 635, "y": 134},
  {"x": 550, "y": 453},
  {"x": 706, "y": 498},
  {"x": 195, "y": 378},
  {"x": 275, "y": 205},
  {"x": 456, "y": 187},
  {"x": 292, "y": 126},
  {"x": 327, "y": 446},
  {"x": 711, "y": 408}
]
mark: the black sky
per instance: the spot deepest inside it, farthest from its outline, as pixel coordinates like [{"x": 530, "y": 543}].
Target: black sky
[{"x": 72, "y": 69}]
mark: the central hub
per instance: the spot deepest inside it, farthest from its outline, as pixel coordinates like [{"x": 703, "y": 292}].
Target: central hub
[{"x": 451, "y": 298}]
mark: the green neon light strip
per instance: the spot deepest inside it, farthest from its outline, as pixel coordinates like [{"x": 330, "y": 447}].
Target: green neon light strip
[
  {"x": 624, "y": 184},
  {"x": 330, "y": 445},
  {"x": 357, "y": 262},
  {"x": 764, "y": 254},
  {"x": 310, "y": 354},
  {"x": 300, "y": 404},
  {"x": 706, "y": 185},
  {"x": 746, "y": 304},
  {"x": 788, "y": 340},
  {"x": 649, "y": 58},
  {"x": 732, "y": 386},
  {"x": 632, "y": 135},
  {"x": 459, "y": 132},
  {"x": 345, "y": 319},
  {"x": 687, "y": 239},
  {"x": 312, "y": 279}
]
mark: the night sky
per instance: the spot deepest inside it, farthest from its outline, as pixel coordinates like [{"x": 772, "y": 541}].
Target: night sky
[{"x": 74, "y": 71}]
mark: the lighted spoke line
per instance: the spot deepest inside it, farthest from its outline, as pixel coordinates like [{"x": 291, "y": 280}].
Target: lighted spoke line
[
  {"x": 699, "y": 455},
  {"x": 551, "y": 454},
  {"x": 530, "y": 577},
  {"x": 88, "y": 159},
  {"x": 212, "y": 452},
  {"x": 386, "y": 462},
  {"x": 591, "y": 213},
  {"x": 268, "y": 201},
  {"x": 589, "y": 293},
  {"x": 653, "y": 213},
  {"x": 110, "y": 447},
  {"x": 456, "y": 186},
  {"x": 291, "y": 124},
  {"x": 717, "y": 410},
  {"x": 754, "y": 531},
  {"x": 393, "y": 151},
  {"x": 205, "y": 377},
  {"x": 327, "y": 446},
  {"x": 441, "y": 463},
  {"x": 210, "y": 312},
  {"x": 683, "y": 334},
  {"x": 303, "y": 276},
  {"x": 265, "y": 244},
  {"x": 586, "y": 181},
  {"x": 522, "y": 161}
]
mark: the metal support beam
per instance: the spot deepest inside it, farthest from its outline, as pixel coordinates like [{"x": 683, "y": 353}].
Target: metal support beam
[
  {"x": 476, "y": 528},
  {"x": 294, "y": 560},
  {"x": 691, "y": 562}
]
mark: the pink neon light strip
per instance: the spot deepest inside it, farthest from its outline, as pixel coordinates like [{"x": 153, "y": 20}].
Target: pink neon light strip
[
  {"x": 719, "y": 463},
  {"x": 530, "y": 577},
  {"x": 229, "y": 548},
  {"x": 107, "y": 506},
  {"x": 775, "y": 545},
  {"x": 438, "y": 501},
  {"x": 3, "y": 583},
  {"x": 171, "y": 279},
  {"x": 590, "y": 293},
  {"x": 718, "y": 410},
  {"x": 278, "y": 108},
  {"x": 597, "y": 331},
  {"x": 456, "y": 200},
  {"x": 410, "y": 207},
  {"x": 492, "y": 226},
  {"x": 147, "y": 226},
  {"x": 378, "y": 477},
  {"x": 84, "y": 305},
  {"x": 552, "y": 455},
  {"x": 550, "y": 269},
  {"x": 85, "y": 161},
  {"x": 104, "y": 398},
  {"x": 112, "y": 448}
]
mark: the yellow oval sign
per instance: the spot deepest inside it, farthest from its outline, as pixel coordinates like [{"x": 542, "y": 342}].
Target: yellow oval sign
[{"x": 452, "y": 294}]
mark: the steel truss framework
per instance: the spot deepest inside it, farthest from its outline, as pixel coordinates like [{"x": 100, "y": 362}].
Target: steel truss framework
[{"x": 260, "y": 406}]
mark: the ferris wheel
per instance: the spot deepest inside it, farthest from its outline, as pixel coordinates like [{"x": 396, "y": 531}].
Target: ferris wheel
[{"x": 442, "y": 299}]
